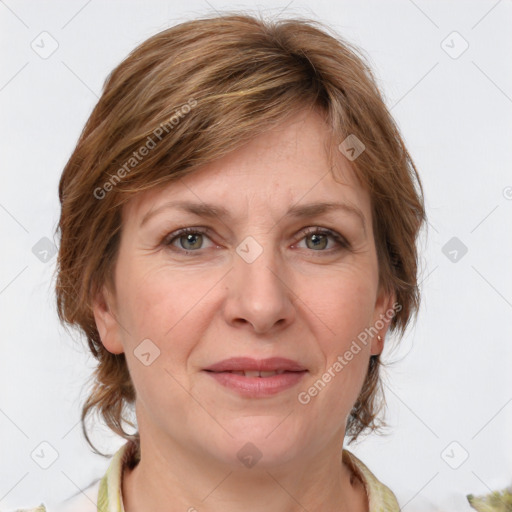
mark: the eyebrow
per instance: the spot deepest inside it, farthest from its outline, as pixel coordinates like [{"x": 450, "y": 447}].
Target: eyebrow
[{"x": 297, "y": 211}]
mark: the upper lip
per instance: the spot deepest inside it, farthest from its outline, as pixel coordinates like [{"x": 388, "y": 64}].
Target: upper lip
[{"x": 251, "y": 364}]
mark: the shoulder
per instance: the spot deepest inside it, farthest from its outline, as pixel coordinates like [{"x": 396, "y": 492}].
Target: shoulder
[
  {"x": 40, "y": 508},
  {"x": 380, "y": 497},
  {"x": 83, "y": 501}
]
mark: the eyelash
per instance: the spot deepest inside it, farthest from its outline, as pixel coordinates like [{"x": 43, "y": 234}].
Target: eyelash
[{"x": 343, "y": 244}]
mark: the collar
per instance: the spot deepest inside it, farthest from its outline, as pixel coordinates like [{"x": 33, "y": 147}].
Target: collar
[{"x": 110, "y": 499}]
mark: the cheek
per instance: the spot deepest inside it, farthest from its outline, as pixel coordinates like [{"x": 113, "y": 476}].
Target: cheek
[
  {"x": 342, "y": 313},
  {"x": 345, "y": 308},
  {"x": 172, "y": 310},
  {"x": 159, "y": 318},
  {"x": 155, "y": 299}
]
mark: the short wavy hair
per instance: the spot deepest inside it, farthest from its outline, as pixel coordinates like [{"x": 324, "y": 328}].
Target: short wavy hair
[{"x": 198, "y": 91}]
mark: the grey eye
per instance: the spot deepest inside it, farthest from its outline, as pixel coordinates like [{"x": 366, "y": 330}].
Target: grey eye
[
  {"x": 193, "y": 240},
  {"x": 318, "y": 241}
]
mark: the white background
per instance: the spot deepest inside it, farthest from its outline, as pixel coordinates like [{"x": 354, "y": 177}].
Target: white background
[{"x": 452, "y": 378}]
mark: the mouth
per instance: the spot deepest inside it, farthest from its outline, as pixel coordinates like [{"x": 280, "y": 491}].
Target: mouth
[
  {"x": 256, "y": 373},
  {"x": 257, "y": 378},
  {"x": 251, "y": 367}
]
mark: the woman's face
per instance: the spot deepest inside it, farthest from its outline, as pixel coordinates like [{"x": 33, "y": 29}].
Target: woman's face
[{"x": 262, "y": 273}]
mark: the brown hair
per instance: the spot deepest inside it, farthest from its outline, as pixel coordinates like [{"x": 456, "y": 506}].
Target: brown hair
[{"x": 199, "y": 90}]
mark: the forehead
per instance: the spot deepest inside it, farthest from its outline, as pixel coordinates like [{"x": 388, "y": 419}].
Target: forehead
[{"x": 287, "y": 165}]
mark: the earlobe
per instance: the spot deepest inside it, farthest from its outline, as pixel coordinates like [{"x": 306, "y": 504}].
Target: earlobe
[
  {"x": 384, "y": 311},
  {"x": 106, "y": 322},
  {"x": 377, "y": 345}
]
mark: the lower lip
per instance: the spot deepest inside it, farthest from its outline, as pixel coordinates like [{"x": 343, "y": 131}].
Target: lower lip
[{"x": 258, "y": 386}]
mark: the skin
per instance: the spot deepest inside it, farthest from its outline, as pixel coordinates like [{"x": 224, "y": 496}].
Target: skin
[{"x": 299, "y": 299}]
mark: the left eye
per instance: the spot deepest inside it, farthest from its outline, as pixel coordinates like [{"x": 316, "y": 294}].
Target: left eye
[{"x": 318, "y": 238}]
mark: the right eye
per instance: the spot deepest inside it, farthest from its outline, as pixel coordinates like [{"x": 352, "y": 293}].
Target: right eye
[{"x": 189, "y": 239}]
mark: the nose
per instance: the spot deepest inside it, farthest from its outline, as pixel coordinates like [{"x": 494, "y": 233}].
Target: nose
[{"x": 259, "y": 296}]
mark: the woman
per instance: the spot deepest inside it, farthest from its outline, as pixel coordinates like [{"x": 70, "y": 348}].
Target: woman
[{"x": 238, "y": 232}]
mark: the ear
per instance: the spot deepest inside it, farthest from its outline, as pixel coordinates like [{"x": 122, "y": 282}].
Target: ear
[
  {"x": 106, "y": 322},
  {"x": 385, "y": 308}
]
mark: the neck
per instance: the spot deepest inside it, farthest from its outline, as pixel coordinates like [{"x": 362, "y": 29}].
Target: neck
[{"x": 169, "y": 478}]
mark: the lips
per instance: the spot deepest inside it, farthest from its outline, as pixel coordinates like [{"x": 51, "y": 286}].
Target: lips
[
  {"x": 256, "y": 373},
  {"x": 250, "y": 367},
  {"x": 257, "y": 378}
]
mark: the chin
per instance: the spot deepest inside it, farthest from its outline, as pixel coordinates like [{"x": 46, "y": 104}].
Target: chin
[{"x": 262, "y": 441}]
